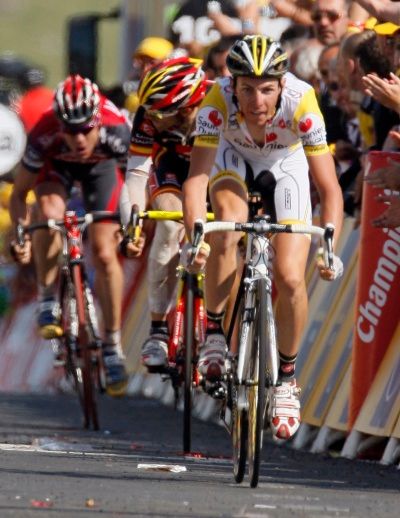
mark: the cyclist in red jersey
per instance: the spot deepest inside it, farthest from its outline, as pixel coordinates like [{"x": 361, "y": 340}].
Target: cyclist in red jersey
[
  {"x": 158, "y": 163},
  {"x": 83, "y": 138}
]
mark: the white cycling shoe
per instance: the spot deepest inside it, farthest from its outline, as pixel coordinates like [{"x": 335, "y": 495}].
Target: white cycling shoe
[
  {"x": 284, "y": 409},
  {"x": 155, "y": 351},
  {"x": 212, "y": 355}
]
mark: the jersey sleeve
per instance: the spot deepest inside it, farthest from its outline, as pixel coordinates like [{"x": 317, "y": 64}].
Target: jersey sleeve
[
  {"x": 211, "y": 118},
  {"x": 309, "y": 125},
  {"x": 39, "y": 140},
  {"x": 141, "y": 142}
]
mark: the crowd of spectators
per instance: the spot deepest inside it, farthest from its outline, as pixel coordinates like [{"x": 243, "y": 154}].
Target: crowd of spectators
[{"x": 348, "y": 51}]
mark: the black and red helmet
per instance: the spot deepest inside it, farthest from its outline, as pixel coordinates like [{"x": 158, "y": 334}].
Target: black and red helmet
[{"x": 77, "y": 100}]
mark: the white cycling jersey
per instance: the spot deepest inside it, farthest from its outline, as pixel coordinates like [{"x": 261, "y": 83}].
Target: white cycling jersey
[{"x": 278, "y": 169}]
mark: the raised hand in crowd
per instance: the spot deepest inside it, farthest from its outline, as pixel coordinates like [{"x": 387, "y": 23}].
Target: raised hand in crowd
[
  {"x": 390, "y": 218},
  {"x": 294, "y": 10},
  {"x": 385, "y": 91},
  {"x": 392, "y": 142},
  {"x": 387, "y": 177},
  {"x": 385, "y": 10}
]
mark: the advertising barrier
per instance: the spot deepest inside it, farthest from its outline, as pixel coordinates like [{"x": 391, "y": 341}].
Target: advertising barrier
[
  {"x": 381, "y": 409},
  {"x": 377, "y": 308}
]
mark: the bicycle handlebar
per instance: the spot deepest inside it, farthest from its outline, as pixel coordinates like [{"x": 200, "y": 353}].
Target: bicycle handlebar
[
  {"x": 132, "y": 230},
  {"x": 82, "y": 221},
  {"x": 262, "y": 226}
]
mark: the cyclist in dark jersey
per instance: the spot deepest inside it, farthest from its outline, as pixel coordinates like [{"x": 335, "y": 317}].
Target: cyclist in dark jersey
[
  {"x": 83, "y": 138},
  {"x": 158, "y": 163}
]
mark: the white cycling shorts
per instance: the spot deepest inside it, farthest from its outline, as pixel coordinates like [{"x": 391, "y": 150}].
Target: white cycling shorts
[{"x": 283, "y": 183}]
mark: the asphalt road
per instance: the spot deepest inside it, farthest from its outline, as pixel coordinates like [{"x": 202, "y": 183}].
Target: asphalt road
[{"x": 49, "y": 466}]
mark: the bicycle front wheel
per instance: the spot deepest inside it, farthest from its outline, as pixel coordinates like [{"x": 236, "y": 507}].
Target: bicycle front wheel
[
  {"x": 239, "y": 427},
  {"x": 239, "y": 437},
  {"x": 84, "y": 353},
  {"x": 257, "y": 388}
]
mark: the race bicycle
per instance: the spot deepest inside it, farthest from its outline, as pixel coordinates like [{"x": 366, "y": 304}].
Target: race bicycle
[
  {"x": 187, "y": 327},
  {"x": 80, "y": 346},
  {"x": 252, "y": 343}
]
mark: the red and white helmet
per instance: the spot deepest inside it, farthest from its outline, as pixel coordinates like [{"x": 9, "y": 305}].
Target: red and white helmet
[
  {"x": 77, "y": 100},
  {"x": 173, "y": 84}
]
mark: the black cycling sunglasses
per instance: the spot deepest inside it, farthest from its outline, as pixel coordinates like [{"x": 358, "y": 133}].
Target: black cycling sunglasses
[{"x": 77, "y": 130}]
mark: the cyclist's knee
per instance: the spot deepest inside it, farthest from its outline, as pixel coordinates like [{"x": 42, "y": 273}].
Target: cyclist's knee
[
  {"x": 224, "y": 242},
  {"x": 291, "y": 283},
  {"x": 104, "y": 256},
  {"x": 165, "y": 244}
]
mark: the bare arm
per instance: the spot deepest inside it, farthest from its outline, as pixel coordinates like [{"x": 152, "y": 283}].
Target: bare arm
[
  {"x": 357, "y": 13},
  {"x": 228, "y": 26},
  {"x": 289, "y": 9},
  {"x": 195, "y": 187},
  {"x": 24, "y": 182},
  {"x": 323, "y": 172},
  {"x": 385, "y": 10}
]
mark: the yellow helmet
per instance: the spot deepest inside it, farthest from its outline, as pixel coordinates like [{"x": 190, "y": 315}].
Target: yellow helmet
[{"x": 153, "y": 47}]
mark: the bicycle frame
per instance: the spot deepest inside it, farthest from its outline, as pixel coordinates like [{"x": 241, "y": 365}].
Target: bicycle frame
[
  {"x": 256, "y": 269},
  {"x": 188, "y": 326},
  {"x": 255, "y": 366},
  {"x": 79, "y": 320},
  {"x": 177, "y": 328}
]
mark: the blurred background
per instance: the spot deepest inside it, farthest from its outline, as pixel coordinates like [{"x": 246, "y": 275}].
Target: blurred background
[{"x": 102, "y": 32}]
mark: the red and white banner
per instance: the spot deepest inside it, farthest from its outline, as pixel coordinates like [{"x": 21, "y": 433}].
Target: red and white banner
[{"x": 377, "y": 309}]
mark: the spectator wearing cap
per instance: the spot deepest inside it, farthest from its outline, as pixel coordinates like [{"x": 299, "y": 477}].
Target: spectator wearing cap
[
  {"x": 386, "y": 35},
  {"x": 150, "y": 51},
  {"x": 386, "y": 90}
]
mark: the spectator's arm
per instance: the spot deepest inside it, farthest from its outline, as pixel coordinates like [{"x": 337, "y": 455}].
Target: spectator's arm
[
  {"x": 289, "y": 9},
  {"x": 384, "y": 10},
  {"x": 246, "y": 22}
]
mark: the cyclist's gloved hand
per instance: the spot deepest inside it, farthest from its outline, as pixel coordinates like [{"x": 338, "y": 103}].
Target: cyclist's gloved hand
[
  {"x": 132, "y": 248},
  {"x": 21, "y": 254},
  {"x": 326, "y": 273},
  {"x": 197, "y": 263}
]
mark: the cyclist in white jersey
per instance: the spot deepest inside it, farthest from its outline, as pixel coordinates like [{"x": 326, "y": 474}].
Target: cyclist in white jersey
[{"x": 261, "y": 130}]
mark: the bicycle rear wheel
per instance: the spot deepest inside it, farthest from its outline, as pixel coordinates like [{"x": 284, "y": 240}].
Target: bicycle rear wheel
[
  {"x": 188, "y": 369},
  {"x": 257, "y": 389},
  {"x": 89, "y": 401}
]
